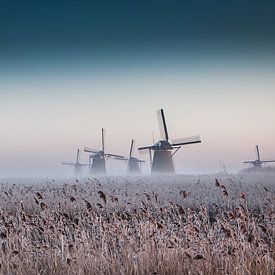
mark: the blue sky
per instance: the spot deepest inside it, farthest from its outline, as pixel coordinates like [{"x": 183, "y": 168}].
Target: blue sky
[{"x": 125, "y": 24}]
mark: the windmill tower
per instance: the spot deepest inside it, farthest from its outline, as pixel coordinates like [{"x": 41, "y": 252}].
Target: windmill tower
[
  {"x": 98, "y": 158},
  {"x": 258, "y": 163},
  {"x": 77, "y": 166},
  {"x": 133, "y": 164},
  {"x": 163, "y": 156}
]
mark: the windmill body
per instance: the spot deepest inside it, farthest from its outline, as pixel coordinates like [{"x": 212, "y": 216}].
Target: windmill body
[
  {"x": 98, "y": 165},
  {"x": 133, "y": 164},
  {"x": 98, "y": 158},
  {"x": 77, "y": 165},
  {"x": 164, "y": 150},
  {"x": 163, "y": 161}
]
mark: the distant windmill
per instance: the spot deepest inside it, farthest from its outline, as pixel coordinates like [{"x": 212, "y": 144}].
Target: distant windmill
[
  {"x": 224, "y": 168},
  {"x": 98, "y": 158},
  {"x": 133, "y": 164},
  {"x": 77, "y": 166},
  {"x": 258, "y": 162},
  {"x": 163, "y": 157}
]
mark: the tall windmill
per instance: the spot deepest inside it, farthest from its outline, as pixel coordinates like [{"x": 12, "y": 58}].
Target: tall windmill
[
  {"x": 98, "y": 158},
  {"x": 77, "y": 165},
  {"x": 133, "y": 164},
  {"x": 163, "y": 156},
  {"x": 258, "y": 162}
]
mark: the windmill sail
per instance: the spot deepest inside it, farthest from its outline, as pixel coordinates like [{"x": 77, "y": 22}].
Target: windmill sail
[
  {"x": 145, "y": 148},
  {"x": 68, "y": 163},
  {"x": 90, "y": 150},
  {"x": 77, "y": 156},
  {"x": 258, "y": 152},
  {"x": 162, "y": 125},
  {"x": 103, "y": 139},
  {"x": 114, "y": 155},
  {"x": 186, "y": 141},
  {"x": 131, "y": 148}
]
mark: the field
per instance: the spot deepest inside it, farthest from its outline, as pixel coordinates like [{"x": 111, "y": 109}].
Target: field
[{"x": 221, "y": 224}]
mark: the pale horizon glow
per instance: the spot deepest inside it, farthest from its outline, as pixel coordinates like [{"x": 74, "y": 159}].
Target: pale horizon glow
[{"x": 45, "y": 116}]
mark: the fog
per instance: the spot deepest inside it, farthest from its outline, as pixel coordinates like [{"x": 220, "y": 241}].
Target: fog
[{"x": 45, "y": 117}]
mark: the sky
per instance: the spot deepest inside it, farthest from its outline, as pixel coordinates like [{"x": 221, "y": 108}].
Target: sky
[{"x": 69, "y": 68}]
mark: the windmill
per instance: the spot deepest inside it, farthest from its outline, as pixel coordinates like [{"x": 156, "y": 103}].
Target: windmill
[
  {"x": 133, "y": 164},
  {"x": 98, "y": 158},
  {"x": 77, "y": 166},
  {"x": 163, "y": 156},
  {"x": 258, "y": 162},
  {"x": 224, "y": 168}
]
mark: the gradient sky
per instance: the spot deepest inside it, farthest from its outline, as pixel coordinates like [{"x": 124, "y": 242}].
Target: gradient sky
[{"x": 68, "y": 68}]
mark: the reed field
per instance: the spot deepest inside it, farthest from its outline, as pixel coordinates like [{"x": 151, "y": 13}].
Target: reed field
[{"x": 218, "y": 224}]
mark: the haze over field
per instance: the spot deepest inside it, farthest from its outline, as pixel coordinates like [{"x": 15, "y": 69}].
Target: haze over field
[{"x": 68, "y": 68}]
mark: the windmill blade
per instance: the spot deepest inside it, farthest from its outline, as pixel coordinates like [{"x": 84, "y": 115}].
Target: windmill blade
[
  {"x": 150, "y": 157},
  {"x": 90, "y": 150},
  {"x": 267, "y": 161},
  {"x": 124, "y": 159},
  {"x": 103, "y": 139},
  {"x": 257, "y": 152},
  {"x": 77, "y": 156},
  {"x": 187, "y": 140},
  {"x": 162, "y": 125},
  {"x": 113, "y": 155},
  {"x": 131, "y": 148},
  {"x": 68, "y": 163},
  {"x": 90, "y": 163},
  {"x": 249, "y": 161},
  {"x": 137, "y": 160},
  {"x": 145, "y": 148}
]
